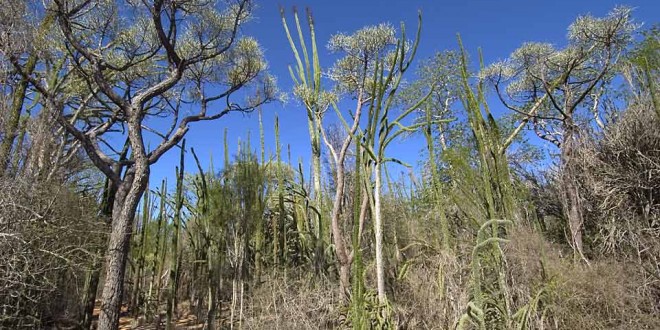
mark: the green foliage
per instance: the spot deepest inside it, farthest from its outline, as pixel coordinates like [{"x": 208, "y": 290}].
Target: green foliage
[
  {"x": 362, "y": 50},
  {"x": 489, "y": 187},
  {"x": 308, "y": 89},
  {"x": 550, "y": 86},
  {"x": 491, "y": 158},
  {"x": 488, "y": 307},
  {"x": 645, "y": 57},
  {"x": 175, "y": 256}
]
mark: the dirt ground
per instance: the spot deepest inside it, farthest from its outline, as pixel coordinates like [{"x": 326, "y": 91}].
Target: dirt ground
[{"x": 186, "y": 321}]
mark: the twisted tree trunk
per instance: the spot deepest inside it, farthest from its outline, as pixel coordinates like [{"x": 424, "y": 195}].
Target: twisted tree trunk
[
  {"x": 128, "y": 197},
  {"x": 571, "y": 195},
  {"x": 129, "y": 194}
]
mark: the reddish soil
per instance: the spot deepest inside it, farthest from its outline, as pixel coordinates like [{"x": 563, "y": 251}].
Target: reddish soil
[{"x": 126, "y": 322}]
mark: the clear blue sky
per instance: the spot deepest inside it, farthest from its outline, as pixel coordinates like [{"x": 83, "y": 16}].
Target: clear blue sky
[{"x": 497, "y": 26}]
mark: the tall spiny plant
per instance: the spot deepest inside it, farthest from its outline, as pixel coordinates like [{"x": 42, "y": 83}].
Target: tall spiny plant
[
  {"x": 279, "y": 234},
  {"x": 436, "y": 187},
  {"x": 141, "y": 251},
  {"x": 175, "y": 257},
  {"x": 206, "y": 243},
  {"x": 353, "y": 74},
  {"x": 489, "y": 306},
  {"x": 307, "y": 79},
  {"x": 496, "y": 184},
  {"x": 359, "y": 319},
  {"x": 302, "y": 213},
  {"x": 259, "y": 231},
  {"x": 476, "y": 308},
  {"x": 380, "y": 132},
  {"x": 246, "y": 183},
  {"x": 157, "y": 264}
]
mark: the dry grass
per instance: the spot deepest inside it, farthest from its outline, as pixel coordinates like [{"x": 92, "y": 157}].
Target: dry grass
[
  {"x": 603, "y": 295},
  {"x": 432, "y": 294},
  {"x": 293, "y": 301},
  {"x": 432, "y": 291}
]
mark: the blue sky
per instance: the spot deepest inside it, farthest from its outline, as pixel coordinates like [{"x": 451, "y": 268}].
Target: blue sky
[{"x": 497, "y": 26}]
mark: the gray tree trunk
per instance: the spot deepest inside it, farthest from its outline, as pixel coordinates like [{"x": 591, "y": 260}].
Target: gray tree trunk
[
  {"x": 128, "y": 197},
  {"x": 343, "y": 258},
  {"x": 571, "y": 196},
  {"x": 89, "y": 298}
]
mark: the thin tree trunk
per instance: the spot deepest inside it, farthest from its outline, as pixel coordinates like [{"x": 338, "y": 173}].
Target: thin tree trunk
[
  {"x": 338, "y": 236},
  {"x": 174, "y": 271},
  {"x": 344, "y": 259},
  {"x": 89, "y": 297},
  {"x": 11, "y": 128},
  {"x": 318, "y": 198},
  {"x": 107, "y": 205},
  {"x": 280, "y": 236},
  {"x": 378, "y": 224},
  {"x": 240, "y": 313},
  {"x": 19, "y": 145},
  {"x": 318, "y": 193},
  {"x": 571, "y": 194},
  {"x": 235, "y": 279},
  {"x": 212, "y": 299}
]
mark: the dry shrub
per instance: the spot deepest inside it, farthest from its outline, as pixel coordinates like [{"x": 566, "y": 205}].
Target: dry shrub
[
  {"x": 603, "y": 295},
  {"x": 432, "y": 293},
  {"x": 293, "y": 301},
  {"x": 432, "y": 289},
  {"x": 620, "y": 176},
  {"x": 46, "y": 235}
]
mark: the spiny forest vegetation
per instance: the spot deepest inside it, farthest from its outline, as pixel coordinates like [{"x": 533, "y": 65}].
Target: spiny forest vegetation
[{"x": 490, "y": 233}]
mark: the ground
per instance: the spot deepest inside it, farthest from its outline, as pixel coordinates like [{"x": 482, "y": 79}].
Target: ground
[{"x": 186, "y": 321}]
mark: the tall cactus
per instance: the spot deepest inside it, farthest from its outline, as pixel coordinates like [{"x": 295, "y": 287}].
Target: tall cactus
[
  {"x": 156, "y": 264},
  {"x": 279, "y": 236},
  {"x": 500, "y": 200},
  {"x": 307, "y": 78},
  {"x": 259, "y": 231},
  {"x": 358, "y": 311},
  {"x": 436, "y": 188},
  {"x": 174, "y": 260},
  {"x": 141, "y": 255}
]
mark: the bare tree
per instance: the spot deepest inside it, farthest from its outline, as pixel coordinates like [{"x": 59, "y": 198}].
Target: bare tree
[{"x": 48, "y": 235}]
